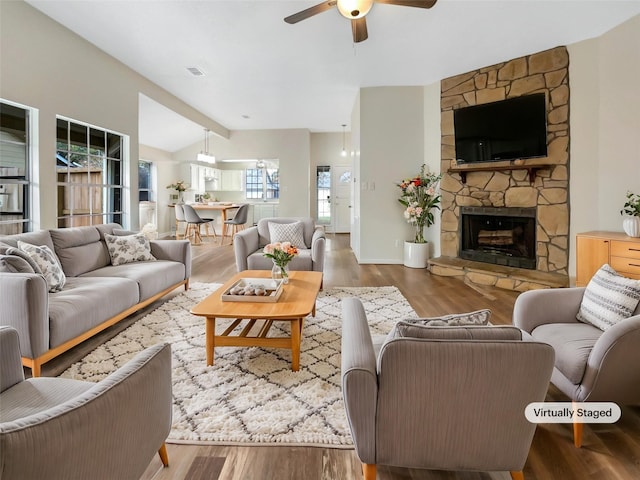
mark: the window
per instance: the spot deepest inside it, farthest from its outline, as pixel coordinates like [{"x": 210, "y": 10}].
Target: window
[
  {"x": 262, "y": 183},
  {"x": 15, "y": 169},
  {"x": 90, "y": 170},
  {"x": 145, "y": 192},
  {"x": 323, "y": 189}
]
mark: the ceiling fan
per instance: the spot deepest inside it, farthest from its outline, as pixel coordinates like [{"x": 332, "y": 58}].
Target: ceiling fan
[{"x": 355, "y": 10}]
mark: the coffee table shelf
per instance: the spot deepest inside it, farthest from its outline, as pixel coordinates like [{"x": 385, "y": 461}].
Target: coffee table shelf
[{"x": 297, "y": 300}]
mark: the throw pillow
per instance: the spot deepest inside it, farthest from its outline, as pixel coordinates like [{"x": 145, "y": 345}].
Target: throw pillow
[
  {"x": 479, "y": 317},
  {"x": 128, "y": 249},
  {"x": 474, "y": 332},
  {"x": 14, "y": 264},
  {"x": 25, "y": 256},
  {"x": 48, "y": 264},
  {"x": 608, "y": 299},
  {"x": 287, "y": 232}
]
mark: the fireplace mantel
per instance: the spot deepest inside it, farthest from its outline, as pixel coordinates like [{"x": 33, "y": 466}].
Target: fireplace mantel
[{"x": 531, "y": 168}]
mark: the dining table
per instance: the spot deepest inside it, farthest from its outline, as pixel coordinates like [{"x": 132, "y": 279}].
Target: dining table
[{"x": 221, "y": 207}]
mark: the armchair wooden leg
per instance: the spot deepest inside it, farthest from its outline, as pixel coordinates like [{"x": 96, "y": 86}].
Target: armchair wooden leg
[
  {"x": 517, "y": 475},
  {"x": 577, "y": 434},
  {"x": 163, "y": 455},
  {"x": 369, "y": 471}
]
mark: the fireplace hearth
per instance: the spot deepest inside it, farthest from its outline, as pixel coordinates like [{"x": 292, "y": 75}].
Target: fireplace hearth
[{"x": 502, "y": 236}]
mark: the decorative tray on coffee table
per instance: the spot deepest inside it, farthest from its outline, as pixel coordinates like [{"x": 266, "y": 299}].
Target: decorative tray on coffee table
[{"x": 253, "y": 290}]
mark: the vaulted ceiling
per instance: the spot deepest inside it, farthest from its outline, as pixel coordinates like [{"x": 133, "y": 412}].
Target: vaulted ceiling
[{"x": 262, "y": 73}]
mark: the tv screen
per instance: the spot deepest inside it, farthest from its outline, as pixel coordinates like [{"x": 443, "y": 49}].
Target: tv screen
[{"x": 507, "y": 130}]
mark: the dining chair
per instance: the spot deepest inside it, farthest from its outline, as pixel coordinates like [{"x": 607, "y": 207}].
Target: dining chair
[
  {"x": 180, "y": 218},
  {"x": 237, "y": 222},
  {"x": 194, "y": 222}
]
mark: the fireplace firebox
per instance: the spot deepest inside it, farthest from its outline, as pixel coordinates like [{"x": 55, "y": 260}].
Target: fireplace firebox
[{"x": 502, "y": 236}]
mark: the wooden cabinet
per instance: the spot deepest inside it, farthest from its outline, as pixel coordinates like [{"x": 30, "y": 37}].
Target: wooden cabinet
[
  {"x": 594, "y": 249},
  {"x": 624, "y": 257}
]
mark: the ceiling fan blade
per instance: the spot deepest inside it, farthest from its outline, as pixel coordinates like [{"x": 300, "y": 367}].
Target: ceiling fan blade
[
  {"x": 310, "y": 12},
  {"x": 409, "y": 3},
  {"x": 359, "y": 30}
]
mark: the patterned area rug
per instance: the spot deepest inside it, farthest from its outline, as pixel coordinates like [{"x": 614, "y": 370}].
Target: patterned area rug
[{"x": 250, "y": 395}]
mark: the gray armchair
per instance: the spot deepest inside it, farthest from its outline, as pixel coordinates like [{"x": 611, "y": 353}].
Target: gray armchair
[
  {"x": 248, "y": 245},
  {"x": 57, "y": 428},
  {"x": 591, "y": 365},
  {"x": 453, "y": 399}
]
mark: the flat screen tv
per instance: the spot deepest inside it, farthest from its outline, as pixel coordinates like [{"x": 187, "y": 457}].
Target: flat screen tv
[{"x": 506, "y": 130}]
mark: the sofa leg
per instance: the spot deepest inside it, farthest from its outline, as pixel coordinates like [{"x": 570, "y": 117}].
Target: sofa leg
[
  {"x": 369, "y": 471},
  {"x": 163, "y": 455},
  {"x": 577, "y": 434},
  {"x": 34, "y": 365},
  {"x": 517, "y": 475}
]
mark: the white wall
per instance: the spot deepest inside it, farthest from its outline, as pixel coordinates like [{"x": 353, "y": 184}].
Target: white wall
[
  {"x": 432, "y": 154},
  {"x": 605, "y": 129},
  {"x": 391, "y": 148},
  {"x": 48, "y": 67},
  {"x": 355, "y": 154}
]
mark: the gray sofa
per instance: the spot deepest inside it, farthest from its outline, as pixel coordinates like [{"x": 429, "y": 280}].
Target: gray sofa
[
  {"x": 445, "y": 398},
  {"x": 58, "y": 428},
  {"x": 248, "y": 245},
  {"x": 96, "y": 294}
]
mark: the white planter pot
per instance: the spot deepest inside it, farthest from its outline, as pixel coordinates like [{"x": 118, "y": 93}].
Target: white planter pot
[
  {"x": 416, "y": 255},
  {"x": 631, "y": 226}
]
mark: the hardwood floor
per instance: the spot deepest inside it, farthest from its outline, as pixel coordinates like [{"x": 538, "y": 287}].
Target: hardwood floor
[{"x": 610, "y": 452}]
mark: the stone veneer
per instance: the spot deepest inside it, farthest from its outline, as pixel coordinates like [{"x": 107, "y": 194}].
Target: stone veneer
[{"x": 546, "y": 72}]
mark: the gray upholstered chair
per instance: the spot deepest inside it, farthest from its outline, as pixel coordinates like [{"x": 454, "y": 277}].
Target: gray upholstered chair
[
  {"x": 57, "y": 428},
  {"x": 236, "y": 223},
  {"x": 180, "y": 218},
  {"x": 591, "y": 365},
  {"x": 453, "y": 399},
  {"x": 248, "y": 245},
  {"x": 194, "y": 222}
]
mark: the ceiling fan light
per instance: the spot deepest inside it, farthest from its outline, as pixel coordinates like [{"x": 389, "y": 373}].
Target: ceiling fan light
[{"x": 353, "y": 9}]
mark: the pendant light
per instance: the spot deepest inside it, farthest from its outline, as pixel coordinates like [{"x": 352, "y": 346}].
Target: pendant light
[
  {"x": 204, "y": 156},
  {"x": 344, "y": 150}
]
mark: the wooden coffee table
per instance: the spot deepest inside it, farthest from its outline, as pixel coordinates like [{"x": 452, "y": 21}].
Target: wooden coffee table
[{"x": 297, "y": 300}]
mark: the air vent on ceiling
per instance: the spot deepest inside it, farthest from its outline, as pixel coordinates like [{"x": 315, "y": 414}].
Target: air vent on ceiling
[{"x": 195, "y": 71}]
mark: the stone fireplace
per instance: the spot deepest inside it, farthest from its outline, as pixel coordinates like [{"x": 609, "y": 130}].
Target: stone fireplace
[
  {"x": 531, "y": 252},
  {"x": 498, "y": 235}
]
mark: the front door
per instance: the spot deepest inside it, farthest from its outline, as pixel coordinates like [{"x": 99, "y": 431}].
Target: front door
[{"x": 341, "y": 198}]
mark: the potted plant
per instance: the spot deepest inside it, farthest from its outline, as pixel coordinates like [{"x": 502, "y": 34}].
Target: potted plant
[
  {"x": 179, "y": 187},
  {"x": 631, "y": 215},
  {"x": 419, "y": 197}
]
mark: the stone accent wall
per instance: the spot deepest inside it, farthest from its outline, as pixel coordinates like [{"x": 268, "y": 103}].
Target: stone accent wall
[{"x": 546, "y": 72}]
